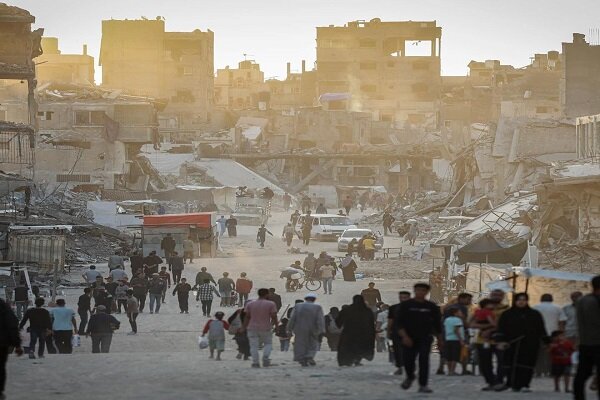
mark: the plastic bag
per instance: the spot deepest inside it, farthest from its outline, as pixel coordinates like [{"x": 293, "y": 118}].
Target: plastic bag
[
  {"x": 202, "y": 342},
  {"x": 76, "y": 341}
]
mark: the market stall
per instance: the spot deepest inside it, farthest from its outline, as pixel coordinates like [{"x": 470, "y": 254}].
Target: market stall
[{"x": 200, "y": 227}]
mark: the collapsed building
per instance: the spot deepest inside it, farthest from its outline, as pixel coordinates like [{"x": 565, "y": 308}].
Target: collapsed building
[{"x": 89, "y": 138}]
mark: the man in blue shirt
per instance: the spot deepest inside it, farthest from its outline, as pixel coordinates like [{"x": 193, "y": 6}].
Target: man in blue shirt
[{"x": 63, "y": 326}]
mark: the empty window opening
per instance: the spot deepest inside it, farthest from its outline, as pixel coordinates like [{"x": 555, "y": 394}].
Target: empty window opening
[{"x": 418, "y": 48}]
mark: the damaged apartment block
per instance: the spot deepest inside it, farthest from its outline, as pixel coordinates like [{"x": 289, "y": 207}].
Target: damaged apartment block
[
  {"x": 390, "y": 69},
  {"x": 89, "y": 138},
  {"x": 140, "y": 57},
  {"x": 18, "y": 46}
]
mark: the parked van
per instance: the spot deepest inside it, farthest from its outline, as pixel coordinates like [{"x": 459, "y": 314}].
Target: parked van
[{"x": 326, "y": 226}]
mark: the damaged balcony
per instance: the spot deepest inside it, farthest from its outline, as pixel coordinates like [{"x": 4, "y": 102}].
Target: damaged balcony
[{"x": 17, "y": 143}]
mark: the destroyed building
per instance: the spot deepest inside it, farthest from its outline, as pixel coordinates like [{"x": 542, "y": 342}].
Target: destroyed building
[
  {"x": 390, "y": 69},
  {"x": 89, "y": 137},
  {"x": 54, "y": 66},
  {"x": 140, "y": 57},
  {"x": 240, "y": 88},
  {"x": 18, "y": 47},
  {"x": 298, "y": 89}
]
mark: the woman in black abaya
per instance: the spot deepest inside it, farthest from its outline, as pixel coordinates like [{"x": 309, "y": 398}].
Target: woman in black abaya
[
  {"x": 357, "y": 340},
  {"x": 348, "y": 267},
  {"x": 522, "y": 328}
]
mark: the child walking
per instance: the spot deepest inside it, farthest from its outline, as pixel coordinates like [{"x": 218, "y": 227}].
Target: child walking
[
  {"x": 283, "y": 335},
  {"x": 216, "y": 334},
  {"x": 561, "y": 350}
]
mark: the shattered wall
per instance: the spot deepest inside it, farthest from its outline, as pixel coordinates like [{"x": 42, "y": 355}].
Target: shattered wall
[{"x": 330, "y": 130}]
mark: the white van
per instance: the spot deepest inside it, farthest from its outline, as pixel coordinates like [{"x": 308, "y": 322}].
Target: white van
[{"x": 326, "y": 226}]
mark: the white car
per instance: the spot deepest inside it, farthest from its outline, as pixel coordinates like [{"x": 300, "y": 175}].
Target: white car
[
  {"x": 326, "y": 226},
  {"x": 357, "y": 234}
]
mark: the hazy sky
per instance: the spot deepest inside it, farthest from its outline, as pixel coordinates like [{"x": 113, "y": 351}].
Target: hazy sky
[{"x": 276, "y": 31}]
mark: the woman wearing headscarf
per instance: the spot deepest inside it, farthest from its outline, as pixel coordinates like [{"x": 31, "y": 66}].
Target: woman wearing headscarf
[
  {"x": 357, "y": 340},
  {"x": 348, "y": 267},
  {"x": 522, "y": 329}
]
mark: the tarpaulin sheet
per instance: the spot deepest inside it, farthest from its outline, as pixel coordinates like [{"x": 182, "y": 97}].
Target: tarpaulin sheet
[
  {"x": 486, "y": 249},
  {"x": 200, "y": 220}
]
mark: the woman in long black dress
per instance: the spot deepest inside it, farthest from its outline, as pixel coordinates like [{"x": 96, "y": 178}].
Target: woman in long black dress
[
  {"x": 523, "y": 329},
  {"x": 357, "y": 340}
]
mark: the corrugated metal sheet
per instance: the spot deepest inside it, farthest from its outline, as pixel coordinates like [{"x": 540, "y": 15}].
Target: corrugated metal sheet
[{"x": 42, "y": 250}]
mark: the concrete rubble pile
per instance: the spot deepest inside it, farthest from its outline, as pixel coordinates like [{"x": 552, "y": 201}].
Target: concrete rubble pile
[
  {"x": 87, "y": 242},
  {"x": 574, "y": 257}
]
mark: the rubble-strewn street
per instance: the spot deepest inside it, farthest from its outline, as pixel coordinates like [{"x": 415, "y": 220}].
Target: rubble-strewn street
[
  {"x": 383, "y": 196},
  {"x": 169, "y": 340}
]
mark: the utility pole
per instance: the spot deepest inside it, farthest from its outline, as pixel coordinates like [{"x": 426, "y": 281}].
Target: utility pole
[{"x": 55, "y": 280}]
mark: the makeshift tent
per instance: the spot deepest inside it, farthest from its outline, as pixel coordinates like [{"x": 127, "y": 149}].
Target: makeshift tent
[{"x": 486, "y": 249}]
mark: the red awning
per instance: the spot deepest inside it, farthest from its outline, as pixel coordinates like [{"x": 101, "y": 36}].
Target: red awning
[{"x": 200, "y": 220}]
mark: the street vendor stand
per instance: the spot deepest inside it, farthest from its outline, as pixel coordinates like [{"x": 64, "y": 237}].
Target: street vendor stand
[
  {"x": 201, "y": 227},
  {"x": 488, "y": 252}
]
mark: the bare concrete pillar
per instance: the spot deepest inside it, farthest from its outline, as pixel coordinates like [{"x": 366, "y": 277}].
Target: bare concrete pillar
[
  {"x": 289, "y": 69},
  {"x": 303, "y": 66}
]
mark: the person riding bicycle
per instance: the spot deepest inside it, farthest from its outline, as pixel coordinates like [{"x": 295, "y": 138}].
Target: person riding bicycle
[{"x": 292, "y": 274}]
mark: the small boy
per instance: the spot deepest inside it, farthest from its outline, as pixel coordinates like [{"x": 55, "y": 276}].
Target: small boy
[
  {"x": 454, "y": 339},
  {"x": 283, "y": 335},
  {"x": 561, "y": 350},
  {"x": 216, "y": 334}
]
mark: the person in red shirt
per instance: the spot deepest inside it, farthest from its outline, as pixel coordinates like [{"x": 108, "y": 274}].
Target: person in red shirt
[
  {"x": 561, "y": 350},
  {"x": 216, "y": 334}
]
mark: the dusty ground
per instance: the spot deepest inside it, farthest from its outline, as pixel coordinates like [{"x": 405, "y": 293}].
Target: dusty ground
[{"x": 163, "y": 360}]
